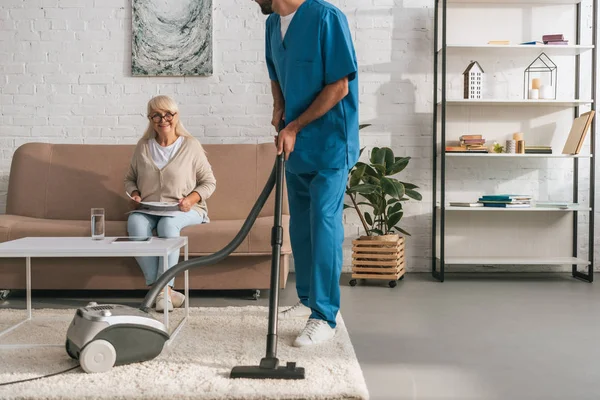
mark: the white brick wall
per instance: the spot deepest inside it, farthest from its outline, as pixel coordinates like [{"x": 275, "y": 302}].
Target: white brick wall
[{"x": 64, "y": 78}]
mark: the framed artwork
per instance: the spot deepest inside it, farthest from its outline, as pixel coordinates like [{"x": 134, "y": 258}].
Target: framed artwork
[{"x": 171, "y": 38}]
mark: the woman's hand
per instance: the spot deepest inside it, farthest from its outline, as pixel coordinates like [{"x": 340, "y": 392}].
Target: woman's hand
[
  {"x": 135, "y": 201},
  {"x": 186, "y": 204}
]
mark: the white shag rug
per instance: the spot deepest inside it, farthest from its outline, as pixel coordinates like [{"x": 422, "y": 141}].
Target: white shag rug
[{"x": 196, "y": 366}]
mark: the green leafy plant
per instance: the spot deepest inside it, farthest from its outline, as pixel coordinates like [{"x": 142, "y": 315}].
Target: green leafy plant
[{"x": 381, "y": 194}]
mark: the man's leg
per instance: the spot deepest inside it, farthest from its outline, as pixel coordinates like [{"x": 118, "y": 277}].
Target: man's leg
[
  {"x": 141, "y": 225},
  {"x": 327, "y": 204},
  {"x": 299, "y": 204}
]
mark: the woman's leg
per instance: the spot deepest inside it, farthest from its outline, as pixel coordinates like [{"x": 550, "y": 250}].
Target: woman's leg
[
  {"x": 139, "y": 224},
  {"x": 169, "y": 227}
]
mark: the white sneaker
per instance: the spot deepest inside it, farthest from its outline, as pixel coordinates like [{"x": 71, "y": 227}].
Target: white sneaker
[
  {"x": 316, "y": 331},
  {"x": 299, "y": 310}
]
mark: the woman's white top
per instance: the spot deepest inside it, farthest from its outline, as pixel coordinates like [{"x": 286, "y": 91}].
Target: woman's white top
[{"x": 161, "y": 155}]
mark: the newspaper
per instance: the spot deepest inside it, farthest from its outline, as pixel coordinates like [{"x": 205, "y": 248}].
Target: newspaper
[{"x": 160, "y": 208}]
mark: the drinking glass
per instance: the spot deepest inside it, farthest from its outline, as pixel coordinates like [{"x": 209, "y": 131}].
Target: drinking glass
[{"x": 97, "y": 223}]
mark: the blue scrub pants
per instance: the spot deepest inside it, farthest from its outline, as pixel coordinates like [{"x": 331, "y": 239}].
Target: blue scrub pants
[{"x": 317, "y": 235}]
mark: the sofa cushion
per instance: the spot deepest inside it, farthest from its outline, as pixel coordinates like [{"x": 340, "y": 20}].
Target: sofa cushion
[
  {"x": 212, "y": 237},
  {"x": 203, "y": 239}
]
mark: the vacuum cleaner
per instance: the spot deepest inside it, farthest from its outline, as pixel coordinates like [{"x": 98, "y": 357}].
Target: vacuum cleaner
[{"x": 103, "y": 336}]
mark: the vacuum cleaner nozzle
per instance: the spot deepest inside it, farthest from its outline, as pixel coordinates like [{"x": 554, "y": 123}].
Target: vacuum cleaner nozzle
[{"x": 268, "y": 369}]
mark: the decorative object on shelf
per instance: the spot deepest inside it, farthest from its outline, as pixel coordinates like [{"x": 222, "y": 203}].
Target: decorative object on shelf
[
  {"x": 384, "y": 195},
  {"x": 518, "y": 136},
  {"x": 519, "y": 139},
  {"x": 543, "y": 66},
  {"x": 578, "y": 132},
  {"x": 546, "y": 92},
  {"x": 511, "y": 146},
  {"x": 473, "y": 81},
  {"x": 497, "y": 148},
  {"x": 534, "y": 94}
]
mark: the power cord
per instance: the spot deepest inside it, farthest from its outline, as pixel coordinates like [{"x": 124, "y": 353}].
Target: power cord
[{"x": 39, "y": 377}]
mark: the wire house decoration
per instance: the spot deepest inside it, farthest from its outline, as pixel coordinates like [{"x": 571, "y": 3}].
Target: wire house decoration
[{"x": 540, "y": 66}]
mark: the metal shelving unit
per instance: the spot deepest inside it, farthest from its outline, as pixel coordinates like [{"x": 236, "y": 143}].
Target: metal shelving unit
[{"x": 439, "y": 208}]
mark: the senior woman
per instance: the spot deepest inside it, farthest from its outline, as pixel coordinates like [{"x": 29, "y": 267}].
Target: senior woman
[{"x": 168, "y": 165}]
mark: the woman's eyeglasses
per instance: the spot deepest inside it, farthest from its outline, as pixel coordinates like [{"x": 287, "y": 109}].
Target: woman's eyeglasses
[{"x": 157, "y": 117}]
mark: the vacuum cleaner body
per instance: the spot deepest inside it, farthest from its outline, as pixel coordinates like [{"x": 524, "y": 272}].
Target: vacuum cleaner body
[{"x": 102, "y": 336}]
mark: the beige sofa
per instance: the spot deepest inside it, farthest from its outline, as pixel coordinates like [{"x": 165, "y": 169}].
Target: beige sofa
[{"x": 53, "y": 187}]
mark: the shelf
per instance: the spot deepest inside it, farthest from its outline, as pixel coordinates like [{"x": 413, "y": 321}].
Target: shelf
[
  {"x": 533, "y": 103},
  {"x": 515, "y": 260},
  {"x": 502, "y": 2},
  {"x": 550, "y": 50},
  {"x": 504, "y": 155},
  {"x": 531, "y": 209}
]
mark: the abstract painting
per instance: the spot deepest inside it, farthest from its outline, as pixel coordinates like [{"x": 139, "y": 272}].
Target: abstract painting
[{"x": 171, "y": 38}]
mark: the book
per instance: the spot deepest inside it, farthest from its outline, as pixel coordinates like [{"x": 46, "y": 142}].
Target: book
[
  {"x": 505, "y": 197},
  {"x": 578, "y": 132},
  {"x": 507, "y": 205},
  {"x": 463, "y": 204},
  {"x": 553, "y": 37},
  {"x": 495, "y": 42},
  {"x": 553, "y": 204}
]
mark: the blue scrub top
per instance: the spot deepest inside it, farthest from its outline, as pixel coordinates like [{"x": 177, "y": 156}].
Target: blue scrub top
[{"x": 317, "y": 50}]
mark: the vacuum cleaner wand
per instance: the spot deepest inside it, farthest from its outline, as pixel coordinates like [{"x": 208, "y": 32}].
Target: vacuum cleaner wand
[{"x": 269, "y": 366}]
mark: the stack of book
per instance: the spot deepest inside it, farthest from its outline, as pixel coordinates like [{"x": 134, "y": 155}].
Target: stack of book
[
  {"x": 506, "y": 200},
  {"x": 469, "y": 144},
  {"x": 538, "y": 149},
  {"x": 555, "y": 39}
]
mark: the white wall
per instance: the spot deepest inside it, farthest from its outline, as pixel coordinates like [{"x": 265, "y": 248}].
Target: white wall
[{"x": 64, "y": 78}]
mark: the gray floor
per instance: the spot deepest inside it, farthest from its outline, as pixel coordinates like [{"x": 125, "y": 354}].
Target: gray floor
[{"x": 472, "y": 337}]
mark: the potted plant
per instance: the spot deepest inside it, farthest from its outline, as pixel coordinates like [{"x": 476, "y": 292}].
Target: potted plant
[{"x": 379, "y": 254}]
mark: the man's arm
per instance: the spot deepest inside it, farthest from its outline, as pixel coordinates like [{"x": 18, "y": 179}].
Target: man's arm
[
  {"x": 325, "y": 101},
  {"x": 278, "y": 104}
]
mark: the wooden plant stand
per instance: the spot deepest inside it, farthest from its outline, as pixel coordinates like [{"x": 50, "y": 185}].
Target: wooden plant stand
[{"x": 378, "y": 257}]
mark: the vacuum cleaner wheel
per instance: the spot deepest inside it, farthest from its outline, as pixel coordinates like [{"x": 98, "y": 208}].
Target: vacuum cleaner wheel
[{"x": 98, "y": 356}]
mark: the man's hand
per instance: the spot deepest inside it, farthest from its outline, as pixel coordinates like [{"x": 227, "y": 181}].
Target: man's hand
[
  {"x": 287, "y": 139},
  {"x": 185, "y": 204}
]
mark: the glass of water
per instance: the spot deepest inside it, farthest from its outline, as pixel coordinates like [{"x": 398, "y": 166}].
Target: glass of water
[{"x": 97, "y": 223}]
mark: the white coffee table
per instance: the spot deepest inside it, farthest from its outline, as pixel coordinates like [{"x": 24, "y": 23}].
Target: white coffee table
[{"x": 32, "y": 247}]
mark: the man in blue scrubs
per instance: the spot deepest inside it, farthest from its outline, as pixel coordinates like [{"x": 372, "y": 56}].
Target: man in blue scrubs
[{"x": 313, "y": 70}]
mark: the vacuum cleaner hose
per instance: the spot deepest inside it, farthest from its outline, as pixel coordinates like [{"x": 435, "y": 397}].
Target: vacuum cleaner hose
[{"x": 224, "y": 252}]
